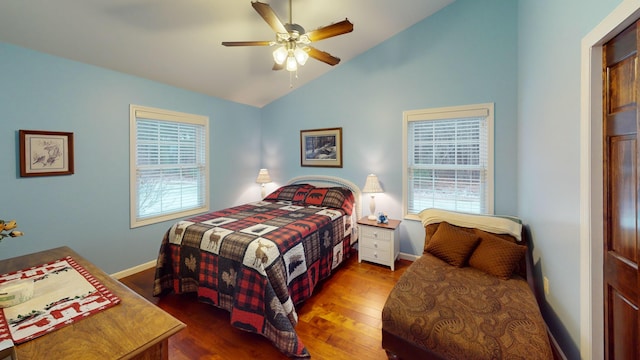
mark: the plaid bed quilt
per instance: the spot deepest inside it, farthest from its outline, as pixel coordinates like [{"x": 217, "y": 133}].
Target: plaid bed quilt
[{"x": 256, "y": 261}]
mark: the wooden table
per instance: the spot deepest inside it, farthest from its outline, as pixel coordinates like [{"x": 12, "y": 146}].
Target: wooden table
[{"x": 133, "y": 329}]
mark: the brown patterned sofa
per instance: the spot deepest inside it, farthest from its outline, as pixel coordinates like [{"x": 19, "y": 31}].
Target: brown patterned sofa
[{"x": 467, "y": 296}]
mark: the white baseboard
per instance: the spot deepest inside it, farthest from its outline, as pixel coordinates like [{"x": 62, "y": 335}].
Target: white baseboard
[
  {"x": 410, "y": 257},
  {"x": 126, "y": 272}
]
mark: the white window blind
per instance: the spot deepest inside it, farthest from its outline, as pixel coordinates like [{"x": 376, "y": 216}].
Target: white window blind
[
  {"x": 448, "y": 160},
  {"x": 170, "y": 166}
]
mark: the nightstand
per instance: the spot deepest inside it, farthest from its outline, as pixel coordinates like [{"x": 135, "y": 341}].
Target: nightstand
[{"x": 379, "y": 243}]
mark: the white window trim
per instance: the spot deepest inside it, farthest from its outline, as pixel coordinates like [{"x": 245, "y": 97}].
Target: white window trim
[
  {"x": 161, "y": 114},
  {"x": 444, "y": 113}
]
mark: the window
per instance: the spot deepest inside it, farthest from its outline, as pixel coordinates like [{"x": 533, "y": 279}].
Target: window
[
  {"x": 448, "y": 159},
  {"x": 169, "y": 165}
]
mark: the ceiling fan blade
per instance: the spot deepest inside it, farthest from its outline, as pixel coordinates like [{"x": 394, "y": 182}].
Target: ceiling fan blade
[
  {"x": 339, "y": 28},
  {"x": 247, "y": 43},
  {"x": 269, "y": 16},
  {"x": 325, "y": 57},
  {"x": 277, "y": 67}
]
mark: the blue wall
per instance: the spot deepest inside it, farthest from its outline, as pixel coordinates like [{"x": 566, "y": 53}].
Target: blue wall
[
  {"x": 463, "y": 54},
  {"x": 550, "y": 33},
  {"x": 89, "y": 211}
]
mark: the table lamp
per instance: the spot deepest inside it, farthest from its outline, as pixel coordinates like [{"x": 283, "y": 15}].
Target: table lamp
[
  {"x": 263, "y": 178},
  {"x": 372, "y": 186}
]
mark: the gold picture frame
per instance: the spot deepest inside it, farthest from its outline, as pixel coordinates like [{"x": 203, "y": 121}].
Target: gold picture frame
[{"x": 321, "y": 147}]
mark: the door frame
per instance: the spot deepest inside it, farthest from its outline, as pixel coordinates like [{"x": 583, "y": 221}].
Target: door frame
[{"x": 591, "y": 177}]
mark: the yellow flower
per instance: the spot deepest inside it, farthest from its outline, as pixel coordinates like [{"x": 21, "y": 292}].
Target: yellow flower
[
  {"x": 6, "y": 229},
  {"x": 10, "y": 225}
]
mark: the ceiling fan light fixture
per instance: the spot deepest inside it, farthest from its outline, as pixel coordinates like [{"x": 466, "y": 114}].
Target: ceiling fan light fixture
[
  {"x": 280, "y": 55},
  {"x": 293, "y": 41},
  {"x": 292, "y": 64},
  {"x": 301, "y": 56}
]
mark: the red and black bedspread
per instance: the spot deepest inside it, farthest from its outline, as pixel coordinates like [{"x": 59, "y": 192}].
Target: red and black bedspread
[{"x": 256, "y": 261}]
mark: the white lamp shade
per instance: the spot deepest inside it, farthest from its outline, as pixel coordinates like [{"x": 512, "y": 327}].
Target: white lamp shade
[
  {"x": 372, "y": 185},
  {"x": 280, "y": 55},
  {"x": 292, "y": 64},
  {"x": 263, "y": 177},
  {"x": 301, "y": 56}
]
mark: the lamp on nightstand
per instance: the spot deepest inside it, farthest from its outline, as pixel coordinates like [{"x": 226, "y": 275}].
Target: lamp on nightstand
[
  {"x": 263, "y": 178},
  {"x": 372, "y": 186}
]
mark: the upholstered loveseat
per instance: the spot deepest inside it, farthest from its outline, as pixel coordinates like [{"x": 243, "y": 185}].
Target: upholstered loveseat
[{"x": 467, "y": 296}]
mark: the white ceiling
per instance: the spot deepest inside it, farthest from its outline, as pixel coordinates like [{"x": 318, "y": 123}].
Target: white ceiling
[{"x": 177, "y": 42}]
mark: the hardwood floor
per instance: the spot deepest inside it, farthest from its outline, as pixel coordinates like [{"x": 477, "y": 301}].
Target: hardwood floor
[{"x": 342, "y": 320}]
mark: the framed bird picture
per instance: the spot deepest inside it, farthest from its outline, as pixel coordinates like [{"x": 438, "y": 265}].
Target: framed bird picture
[{"x": 45, "y": 153}]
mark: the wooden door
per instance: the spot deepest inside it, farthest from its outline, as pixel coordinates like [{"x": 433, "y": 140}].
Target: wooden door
[{"x": 621, "y": 192}]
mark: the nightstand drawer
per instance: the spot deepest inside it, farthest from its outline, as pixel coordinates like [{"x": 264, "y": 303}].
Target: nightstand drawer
[
  {"x": 376, "y": 233},
  {"x": 376, "y": 244},
  {"x": 375, "y": 255}
]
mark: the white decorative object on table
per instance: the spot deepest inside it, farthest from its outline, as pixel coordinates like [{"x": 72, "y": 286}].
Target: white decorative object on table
[
  {"x": 15, "y": 292},
  {"x": 372, "y": 186}
]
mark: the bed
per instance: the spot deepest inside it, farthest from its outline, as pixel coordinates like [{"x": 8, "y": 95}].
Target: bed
[
  {"x": 469, "y": 296},
  {"x": 259, "y": 260}
]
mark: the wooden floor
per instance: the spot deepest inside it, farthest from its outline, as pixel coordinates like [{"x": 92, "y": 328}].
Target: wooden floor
[{"x": 341, "y": 321}]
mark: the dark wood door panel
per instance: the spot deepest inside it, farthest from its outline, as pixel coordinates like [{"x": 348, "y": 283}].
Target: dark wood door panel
[
  {"x": 622, "y": 275},
  {"x": 621, "y": 80},
  {"x": 621, "y": 123},
  {"x": 623, "y": 339},
  {"x": 621, "y": 46},
  {"x": 623, "y": 199}
]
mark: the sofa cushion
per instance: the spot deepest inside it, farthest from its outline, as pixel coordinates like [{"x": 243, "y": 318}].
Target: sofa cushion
[
  {"x": 496, "y": 256},
  {"x": 452, "y": 244}
]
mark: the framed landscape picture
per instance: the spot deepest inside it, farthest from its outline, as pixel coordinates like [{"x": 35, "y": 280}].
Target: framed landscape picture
[
  {"x": 321, "y": 147},
  {"x": 45, "y": 153}
]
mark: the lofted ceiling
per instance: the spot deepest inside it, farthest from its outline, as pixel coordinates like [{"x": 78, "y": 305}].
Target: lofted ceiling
[{"x": 179, "y": 42}]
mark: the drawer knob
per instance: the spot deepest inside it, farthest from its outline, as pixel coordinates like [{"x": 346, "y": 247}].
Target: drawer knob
[
  {"x": 375, "y": 245},
  {"x": 375, "y": 255}
]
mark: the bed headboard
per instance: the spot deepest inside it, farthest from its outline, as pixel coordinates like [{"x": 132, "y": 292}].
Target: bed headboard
[{"x": 329, "y": 181}]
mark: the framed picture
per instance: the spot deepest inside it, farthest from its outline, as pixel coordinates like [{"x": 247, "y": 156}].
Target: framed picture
[
  {"x": 321, "y": 147},
  {"x": 45, "y": 153}
]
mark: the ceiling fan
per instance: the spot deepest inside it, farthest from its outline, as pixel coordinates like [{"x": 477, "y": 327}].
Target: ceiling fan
[{"x": 292, "y": 40}]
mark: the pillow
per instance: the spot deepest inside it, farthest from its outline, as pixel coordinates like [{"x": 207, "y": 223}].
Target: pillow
[
  {"x": 333, "y": 197},
  {"x": 452, "y": 244},
  {"x": 496, "y": 256},
  {"x": 429, "y": 230},
  {"x": 292, "y": 193}
]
